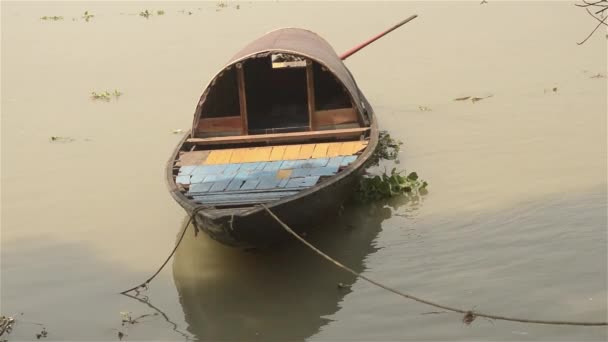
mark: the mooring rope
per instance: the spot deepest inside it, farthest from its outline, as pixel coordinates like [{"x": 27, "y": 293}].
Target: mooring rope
[
  {"x": 469, "y": 315},
  {"x": 144, "y": 285}
]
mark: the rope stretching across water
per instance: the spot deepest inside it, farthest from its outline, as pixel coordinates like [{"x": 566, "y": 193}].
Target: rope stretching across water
[
  {"x": 469, "y": 314},
  {"x": 144, "y": 285}
]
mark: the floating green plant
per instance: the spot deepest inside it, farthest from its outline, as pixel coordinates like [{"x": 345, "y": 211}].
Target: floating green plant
[
  {"x": 53, "y": 18},
  {"x": 387, "y": 149},
  {"x": 105, "y": 95},
  {"x": 87, "y": 16},
  {"x": 378, "y": 187},
  {"x": 146, "y": 14},
  {"x": 386, "y": 185}
]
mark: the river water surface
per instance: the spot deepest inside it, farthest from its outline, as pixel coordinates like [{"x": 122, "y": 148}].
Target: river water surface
[{"x": 514, "y": 223}]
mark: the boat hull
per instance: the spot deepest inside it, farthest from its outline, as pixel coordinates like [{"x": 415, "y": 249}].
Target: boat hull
[{"x": 253, "y": 227}]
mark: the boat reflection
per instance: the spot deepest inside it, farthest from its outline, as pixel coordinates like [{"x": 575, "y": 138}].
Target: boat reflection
[{"x": 278, "y": 294}]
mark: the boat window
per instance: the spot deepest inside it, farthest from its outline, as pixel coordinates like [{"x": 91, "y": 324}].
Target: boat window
[
  {"x": 223, "y": 97},
  {"x": 329, "y": 92},
  {"x": 276, "y": 97}
]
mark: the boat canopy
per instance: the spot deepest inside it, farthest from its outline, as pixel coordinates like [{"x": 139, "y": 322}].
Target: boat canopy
[{"x": 289, "y": 80}]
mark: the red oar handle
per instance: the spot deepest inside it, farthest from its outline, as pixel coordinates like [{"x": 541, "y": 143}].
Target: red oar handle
[{"x": 373, "y": 39}]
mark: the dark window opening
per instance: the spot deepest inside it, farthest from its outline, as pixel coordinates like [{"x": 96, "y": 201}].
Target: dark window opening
[
  {"x": 223, "y": 97},
  {"x": 276, "y": 97},
  {"x": 329, "y": 92}
]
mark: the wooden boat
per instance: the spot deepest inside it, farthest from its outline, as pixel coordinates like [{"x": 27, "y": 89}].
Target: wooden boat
[{"x": 283, "y": 124}]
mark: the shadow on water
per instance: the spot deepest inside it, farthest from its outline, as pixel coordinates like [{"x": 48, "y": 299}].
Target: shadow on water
[{"x": 277, "y": 294}]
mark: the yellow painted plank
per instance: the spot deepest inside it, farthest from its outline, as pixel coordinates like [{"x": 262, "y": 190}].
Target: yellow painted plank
[
  {"x": 238, "y": 155},
  {"x": 306, "y": 151},
  {"x": 291, "y": 152},
  {"x": 333, "y": 150},
  {"x": 211, "y": 158},
  {"x": 219, "y": 157},
  {"x": 282, "y": 174},
  {"x": 277, "y": 153},
  {"x": 347, "y": 147},
  {"x": 358, "y": 146},
  {"x": 258, "y": 154},
  {"x": 320, "y": 151}
]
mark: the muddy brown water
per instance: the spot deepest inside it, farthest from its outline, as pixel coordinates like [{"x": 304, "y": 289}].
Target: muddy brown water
[{"x": 515, "y": 221}]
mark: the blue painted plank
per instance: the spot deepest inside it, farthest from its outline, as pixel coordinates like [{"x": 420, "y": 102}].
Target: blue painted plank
[
  {"x": 197, "y": 179},
  {"x": 335, "y": 161},
  {"x": 235, "y": 184},
  {"x": 231, "y": 169},
  {"x": 283, "y": 183},
  {"x": 208, "y": 169},
  {"x": 296, "y": 173},
  {"x": 220, "y": 185},
  {"x": 227, "y": 197},
  {"x": 181, "y": 179},
  {"x": 268, "y": 182},
  {"x": 319, "y": 162},
  {"x": 309, "y": 163},
  {"x": 261, "y": 166},
  {"x": 347, "y": 160},
  {"x": 288, "y": 164},
  {"x": 250, "y": 184},
  {"x": 201, "y": 187},
  {"x": 324, "y": 171},
  {"x": 273, "y": 166},
  {"x": 186, "y": 170},
  {"x": 248, "y": 166},
  {"x": 302, "y": 182}
]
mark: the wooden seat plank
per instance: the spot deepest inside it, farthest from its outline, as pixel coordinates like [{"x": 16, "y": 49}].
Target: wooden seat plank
[{"x": 282, "y": 137}]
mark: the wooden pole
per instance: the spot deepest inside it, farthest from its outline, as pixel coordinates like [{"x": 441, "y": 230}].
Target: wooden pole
[{"x": 373, "y": 39}]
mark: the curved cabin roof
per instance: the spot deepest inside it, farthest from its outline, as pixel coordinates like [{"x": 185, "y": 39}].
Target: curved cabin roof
[{"x": 293, "y": 41}]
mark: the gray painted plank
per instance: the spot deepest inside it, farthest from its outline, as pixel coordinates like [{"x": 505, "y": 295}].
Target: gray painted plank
[
  {"x": 201, "y": 187},
  {"x": 220, "y": 185},
  {"x": 182, "y": 179},
  {"x": 348, "y": 160},
  {"x": 335, "y": 161},
  {"x": 250, "y": 184},
  {"x": 186, "y": 170}
]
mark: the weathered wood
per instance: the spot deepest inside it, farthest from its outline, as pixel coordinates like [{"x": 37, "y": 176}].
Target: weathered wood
[
  {"x": 282, "y": 137},
  {"x": 221, "y": 124},
  {"x": 240, "y": 76},
  {"x": 335, "y": 117},
  {"x": 310, "y": 89}
]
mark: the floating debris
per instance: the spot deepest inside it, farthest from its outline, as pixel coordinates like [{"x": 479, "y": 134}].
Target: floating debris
[
  {"x": 475, "y": 99},
  {"x": 53, "y": 18},
  {"x": 106, "y": 95},
  {"x": 468, "y": 318},
  {"x": 6, "y": 324},
  {"x": 177, "y": 131},
  {"x": 120, "y": 335},
  {"x": 472, "y": 98},
  {"x": 42, "y": 334},
  {"x": 146, "y": 14},
  {"x": 87, "y": 16},
  {"x": 61, "y": 139},
  {"x": 238, "y": 7},
  {"x": 424, "y": 109},
  {"x": 160, "y": 12},
  {"x": 598, "y": 75},
  {"x": 343, "y": 286}
]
